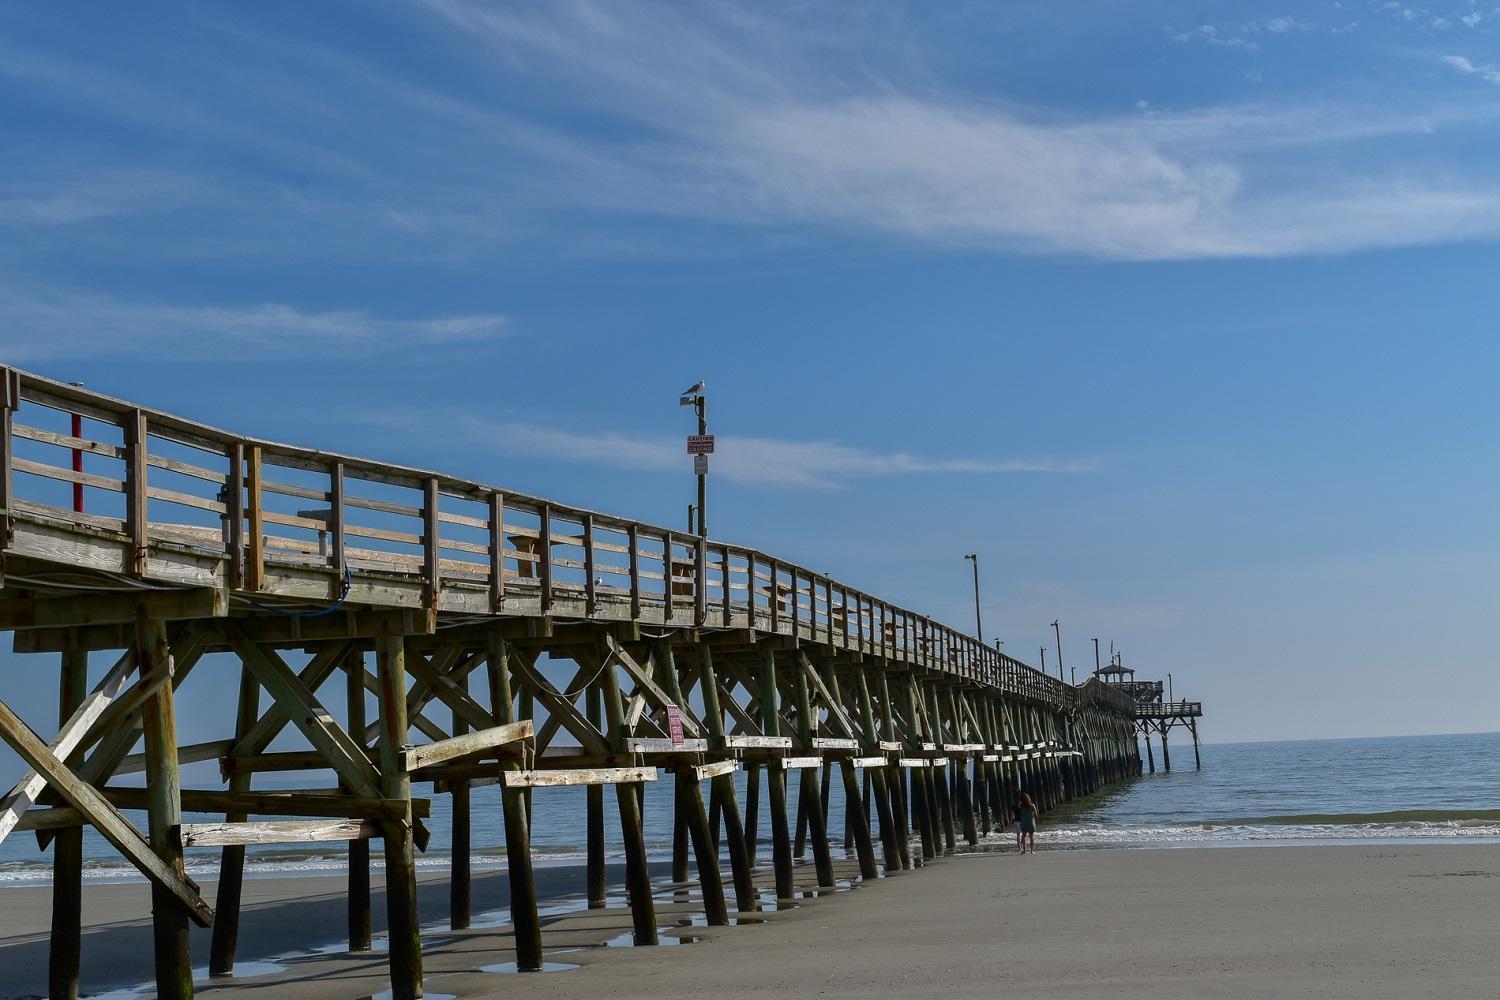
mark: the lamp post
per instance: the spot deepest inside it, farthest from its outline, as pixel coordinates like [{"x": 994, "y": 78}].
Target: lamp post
[
  {"x": 1096, "y": 657},
  {"x": 1169, "y": 688},
  {"x": 978, "y": 626},
  {"x": 695, "y": 397},
  {"x": 1058, "y": 629}
]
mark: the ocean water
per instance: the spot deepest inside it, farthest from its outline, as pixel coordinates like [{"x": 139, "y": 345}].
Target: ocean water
[{"x": 1307, "y": 792}]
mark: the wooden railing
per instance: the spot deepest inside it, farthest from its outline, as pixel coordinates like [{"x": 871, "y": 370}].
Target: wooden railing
[
  {"x": 1170, "y": 708},
  {"x": 269, "y": 511}
]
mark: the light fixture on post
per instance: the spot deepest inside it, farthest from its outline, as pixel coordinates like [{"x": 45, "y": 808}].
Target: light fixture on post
[{"x": 700, "y": 446}]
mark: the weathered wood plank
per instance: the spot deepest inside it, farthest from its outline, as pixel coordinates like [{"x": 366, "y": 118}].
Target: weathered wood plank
[
  {"x": 577, "y": 776},
  {"x": 287, "y": 832},
  {"x": 468, "y": 744},
  {"x": 110, "y": 609}
]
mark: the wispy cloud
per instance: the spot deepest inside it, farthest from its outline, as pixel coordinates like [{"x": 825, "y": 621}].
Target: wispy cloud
[
  {"x": 734, "y": 121},
  {"x": 53, "y": 324},
  {"x": 772, "y": 462},
  {"x": 763, "y": 119},
  {"x": 1486, "y": 72}
]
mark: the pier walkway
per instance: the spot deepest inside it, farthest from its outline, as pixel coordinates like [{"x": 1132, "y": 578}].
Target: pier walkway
[{"x": 466, "y": 635}]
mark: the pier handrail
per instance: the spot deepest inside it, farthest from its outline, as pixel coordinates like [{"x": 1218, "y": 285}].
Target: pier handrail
[
  {"x": 1170, "y": 708},
  {"x": 470, "y": 547}
]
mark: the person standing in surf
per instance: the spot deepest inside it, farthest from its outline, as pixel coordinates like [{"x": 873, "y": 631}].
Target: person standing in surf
[{"x": 1025, "y": 812}]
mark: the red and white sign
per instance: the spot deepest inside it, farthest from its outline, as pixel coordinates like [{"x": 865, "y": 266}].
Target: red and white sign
[
  {"x": 674, "y": 724},
  {"x": 700, "y": 444}
]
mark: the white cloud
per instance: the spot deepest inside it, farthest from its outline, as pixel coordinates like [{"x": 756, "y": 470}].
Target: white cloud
[
  {"x": 753, "y": 460},
  {"x": 52, "y": 324},
  {"x": 734, "y": 122},
  {"x": 1486, "y": 72},
  {"x": 1472, "y": 19}
]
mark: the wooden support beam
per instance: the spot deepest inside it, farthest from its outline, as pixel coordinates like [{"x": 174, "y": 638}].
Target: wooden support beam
[
  {"x": 269, "y": 726},
  {"x": 525, "y": 917},
  {"x": 560, "y": 706},
  {"x": 69, "y": 738},
  {"x": 557, "y": 777},
  {"x": 289, "y": 832},
  {"x": 21, "y": 613},
  {"x": 269, "y": 803},
  {"x": 703, "y": 772},
  {"x": 449, "y": 691},
  {"x": 648, "y": 688},
  {"x": 401, "y": 876},
  {"x": 67, "y": 854},
  {"x": 781, "y": 843},
  {"x": 468, "y": 745},
  {"x": 637, "y": 874},
  {"x": 277, "y": 630},
  {"x": 225, "y": 940},
  {"x": 357, "y": 911},
  {"x": 303, "y": 710},
  {"x": 169, "y": 918}
]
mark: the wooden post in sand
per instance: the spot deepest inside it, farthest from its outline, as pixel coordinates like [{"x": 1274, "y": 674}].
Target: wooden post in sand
[
  {"x": 67, "y": 855},
  {"x": 232, "y": 858},
  {"x": 597, "y": 887},
  {"x": 359, "y": 850},
  {"x": 689, "y": 801},
  {"x": 524, "y": 917},
  {"x": 723, "y": 787},
  {"x": 637, "y": 875},
  {"x": 809, "y": 809},
  {"x": 776, "y": 776},
  {"x": 460, "y": 888},
  {"x": 174, "y": 964},
  {"x": 400, "y": 866}
]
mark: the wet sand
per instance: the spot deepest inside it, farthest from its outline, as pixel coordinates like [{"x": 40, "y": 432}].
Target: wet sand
[{"x": 1330, "y": 921}]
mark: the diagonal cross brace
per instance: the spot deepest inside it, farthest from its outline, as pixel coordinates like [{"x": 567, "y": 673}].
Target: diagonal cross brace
[
  {"x": 559, "y": 706},
  {"x": 100, "y": 814},
  {"x": 448, "y": 691},
  {"x": 269, "y": 725},
  {"x": 646, "y": 685},
  {"x": 303, "y": 710},
  {"x": 69, "y": 738},
  {"x": 836, "y": 712}
]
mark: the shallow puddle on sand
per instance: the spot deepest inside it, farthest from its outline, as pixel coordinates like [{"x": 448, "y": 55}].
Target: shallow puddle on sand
[
  {"x": 242, "y": 970},
  {"x": 627, "y": 940},
  {"x": 511, "y": 967}
]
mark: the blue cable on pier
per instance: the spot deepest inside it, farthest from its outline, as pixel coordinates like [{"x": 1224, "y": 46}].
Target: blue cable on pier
[{"x": 343, "y": 595}]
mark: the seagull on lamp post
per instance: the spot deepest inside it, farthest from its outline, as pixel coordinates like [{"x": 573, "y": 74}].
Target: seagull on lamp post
[{"x": 691, "y": 393}]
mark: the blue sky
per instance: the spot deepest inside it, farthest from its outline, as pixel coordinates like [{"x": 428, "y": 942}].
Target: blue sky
[{"x": 1179, "y": 314}]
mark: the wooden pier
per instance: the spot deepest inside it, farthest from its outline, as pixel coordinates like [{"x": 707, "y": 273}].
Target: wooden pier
[
  {"x": 469, "y": 635},
  {"x": 1153, "y": 715}
]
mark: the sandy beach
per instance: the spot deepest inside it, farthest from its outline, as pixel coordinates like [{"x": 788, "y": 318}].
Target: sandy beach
[{"x": 1328, "y": 921}]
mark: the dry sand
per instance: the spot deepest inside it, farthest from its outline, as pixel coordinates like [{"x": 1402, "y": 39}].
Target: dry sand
[{"x": 1329, "y": 921}]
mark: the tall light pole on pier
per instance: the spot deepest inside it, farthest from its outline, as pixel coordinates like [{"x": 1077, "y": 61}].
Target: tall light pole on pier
[
  {"x": 1096, "y": 657},
  {"x": 978, "y": 626},
  {"x": 1058, "y": 629},
  {"x": 700, "y": 446},
  {"x": 1169, "y": 688}
]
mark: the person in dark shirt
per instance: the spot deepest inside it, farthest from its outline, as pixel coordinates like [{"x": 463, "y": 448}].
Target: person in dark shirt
[{"x": 1025, "y": 812}]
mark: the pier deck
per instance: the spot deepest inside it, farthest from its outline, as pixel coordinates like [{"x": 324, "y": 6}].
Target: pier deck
[{"x": 468, "y": 634}]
